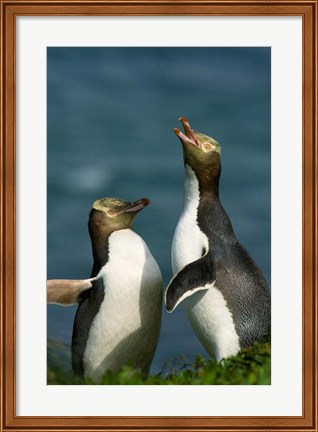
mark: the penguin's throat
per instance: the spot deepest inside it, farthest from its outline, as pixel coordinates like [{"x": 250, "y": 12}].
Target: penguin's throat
[{"x": 198, "y": 188}]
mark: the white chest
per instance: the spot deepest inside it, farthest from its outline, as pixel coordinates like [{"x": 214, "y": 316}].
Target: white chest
[
  {"x": 131, "y": 309},
  {"x": 189, "y": 241}
]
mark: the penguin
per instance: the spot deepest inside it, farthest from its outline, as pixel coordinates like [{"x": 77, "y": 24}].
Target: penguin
[
  {"x": 224, "y": 293},
  {"x": 118, "y": 319}
]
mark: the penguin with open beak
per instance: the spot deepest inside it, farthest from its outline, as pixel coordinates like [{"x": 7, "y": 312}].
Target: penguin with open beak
[
  {"x": 224, "y": 293},
  {"x": 119, "y": 314}
]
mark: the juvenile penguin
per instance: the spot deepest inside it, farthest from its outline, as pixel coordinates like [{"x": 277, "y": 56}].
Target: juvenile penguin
[
  {"x": 224, "y": 293},
  {"x": 118, "y": 319}
]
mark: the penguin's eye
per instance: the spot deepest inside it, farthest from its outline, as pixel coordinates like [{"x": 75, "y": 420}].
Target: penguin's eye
[
  {"x": 207, "y": 146},
  {"x": 111, "y": 212}
]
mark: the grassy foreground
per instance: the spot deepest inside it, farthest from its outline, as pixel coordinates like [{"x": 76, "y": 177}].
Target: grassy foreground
[{"x": 251, "y": 366}]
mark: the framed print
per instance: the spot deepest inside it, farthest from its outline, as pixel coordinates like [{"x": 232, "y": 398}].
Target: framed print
[{"x": 53, "y": 54}]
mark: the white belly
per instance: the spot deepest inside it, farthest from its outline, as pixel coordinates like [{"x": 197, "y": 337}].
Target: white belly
[
  {"x": 212, "y": 322},
  {"x": 127, "y": 326},
  {"x": 206, "y": 309}
]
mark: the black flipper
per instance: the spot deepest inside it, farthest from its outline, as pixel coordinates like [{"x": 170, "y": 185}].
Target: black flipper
[{"x": 199, "y": 274}]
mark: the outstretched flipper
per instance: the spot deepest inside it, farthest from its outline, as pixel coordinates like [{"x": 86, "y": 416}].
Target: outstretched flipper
[
  {"x": 66, "y": 292},
  {"x": 196, "y": 276}
]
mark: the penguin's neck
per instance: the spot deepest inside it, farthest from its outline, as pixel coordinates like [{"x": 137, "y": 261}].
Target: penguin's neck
[
  {"x": 201, "y": 199},
  {"x": 100, "y": 252},
  {"x": 196, "y": 190}
]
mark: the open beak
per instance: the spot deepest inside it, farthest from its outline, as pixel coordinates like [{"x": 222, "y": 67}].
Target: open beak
[
  {"x": 135, "y": 206},
  {"x": 188, "y": 136}
]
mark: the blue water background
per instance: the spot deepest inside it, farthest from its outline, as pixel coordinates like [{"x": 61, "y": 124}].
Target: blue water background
[{"x": 111, "y": 114}]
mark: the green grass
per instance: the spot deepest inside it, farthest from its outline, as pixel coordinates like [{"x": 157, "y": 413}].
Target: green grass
[{"x": 251, "y": 366}]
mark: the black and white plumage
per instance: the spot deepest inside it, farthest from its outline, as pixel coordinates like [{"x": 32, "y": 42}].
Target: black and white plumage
[
  {"x": 119, "y": 314},
  {"x": 224, "y": 293}
]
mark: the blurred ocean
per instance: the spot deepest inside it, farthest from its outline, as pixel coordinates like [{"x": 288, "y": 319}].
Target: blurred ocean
[{"x": 111, "y": 114}]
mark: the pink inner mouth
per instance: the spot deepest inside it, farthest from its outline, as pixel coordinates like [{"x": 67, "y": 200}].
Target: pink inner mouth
[
  {"x": 185, "y": 138},
  {"x": 189, "y": 135}
]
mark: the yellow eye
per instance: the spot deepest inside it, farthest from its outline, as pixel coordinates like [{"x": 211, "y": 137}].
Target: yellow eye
[
  {"x": 111, "y": 212},
  {"x": 207, "y": 146}
]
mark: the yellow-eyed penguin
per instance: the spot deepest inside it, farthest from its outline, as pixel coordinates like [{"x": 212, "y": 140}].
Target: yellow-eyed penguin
[
  {"x": 118, "y": 319},
  {"x": 224, "y": 293}
]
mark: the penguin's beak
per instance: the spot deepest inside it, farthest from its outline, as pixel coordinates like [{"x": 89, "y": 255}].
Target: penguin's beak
[
  {"x": 188, "y": 137},
  {"x": 135, "y": 206}
]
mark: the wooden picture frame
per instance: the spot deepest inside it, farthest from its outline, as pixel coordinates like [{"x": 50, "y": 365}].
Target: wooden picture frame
[{"x": 10, "y": 9}]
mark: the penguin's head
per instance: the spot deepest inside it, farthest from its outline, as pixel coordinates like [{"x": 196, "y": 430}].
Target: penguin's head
[
  {"x": 201, "y": 152},
  {"x": 113, "y": 214}
]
